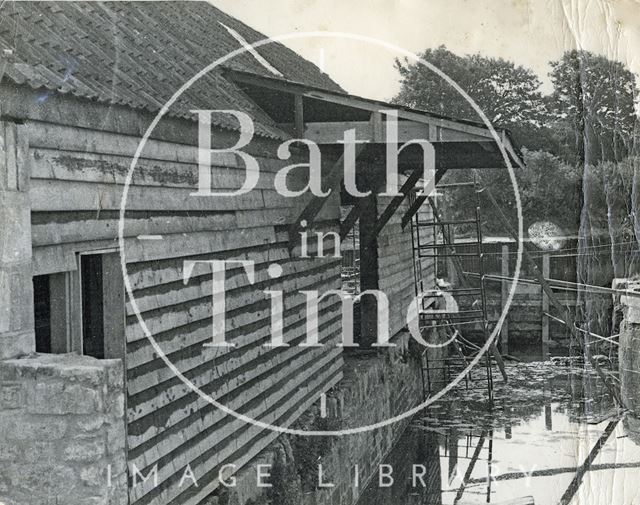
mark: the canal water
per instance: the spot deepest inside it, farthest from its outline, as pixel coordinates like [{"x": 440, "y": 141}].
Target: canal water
[{"x": 532, "y": 445}]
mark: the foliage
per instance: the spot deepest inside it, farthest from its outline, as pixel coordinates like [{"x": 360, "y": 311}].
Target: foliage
[
  {"x": 508, "y": 94},
  {"x": 547, "y": 189},
  {"x": 593, "y": 105}
]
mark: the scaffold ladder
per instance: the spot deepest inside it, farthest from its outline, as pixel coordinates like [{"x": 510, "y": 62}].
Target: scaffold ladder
[{"x": 433, "y": 239}]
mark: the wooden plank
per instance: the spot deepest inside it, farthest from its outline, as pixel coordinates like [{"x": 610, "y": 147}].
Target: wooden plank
[
  {"x": 356, "y": 102},
  {"x": 405, "y": 189},
  {"x": 23, "y": 161},
  {"x": 504, "y": 293},
  {"x": 545, "y": 308},
  {"x": 22, "y": 102},
  {"x": 419, "y": 201},
  {"x": 178, "y": 418},
  {"x": 190, "y": 358},
  {"x": 194, "y": 305},
  {"x": 265, "y": 437},
  {"x": 114, "y": 306},
  {"x": 10, "y": 134},
  {"x": 309, "y": 379},
  {"x": 310, "y": 205},
  {"x": 159, "y": 272},
  {"x": 54, "y": 164},
  {"x": 299, "y": 127},
  {"x": 71, "y": 138},
  {"x": 259, "y": 443},
  {"x": 200, "y": 283},
  {"x": 223, "y": 377},
  {"x": 197, "y": 330},
  {"x": 61, "y": 228},
  {"x": 333, "y": 132},
  {"x": 234, "y": 394},
  {"x": 87, "y": 196},
  {"x": 61, "y": 258},
  {"x": 189, "y": 340}
]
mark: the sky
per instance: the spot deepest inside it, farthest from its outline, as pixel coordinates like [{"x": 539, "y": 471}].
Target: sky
[{"x": 528, "y": 32}]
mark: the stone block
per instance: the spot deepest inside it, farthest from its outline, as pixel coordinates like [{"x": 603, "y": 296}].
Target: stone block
[
  {"x": 115, "y": 374},
  {"x": 54, "y": 449},
  {"x": 84, "y": 450},
  {"x": 35, "y": 428},
  {"x": 89, "y": 424},
  {"x": 60, "y": 398},
  {"x": 39, "y": 451},
  {"x": 17, "y": 288},
  {"x": 9, "y": 451},
  {"x": 15, "y": 221},
  {"x": 94, "y": 500},
  {"x": 15, "y": 344},
  {"x": 41, "y": 479},
  {"x": 114, "y": 403},
  {"x": 116, "y": 438},
  {"x": 93, "y": 475},
  {"x": 11, "y": 396}
]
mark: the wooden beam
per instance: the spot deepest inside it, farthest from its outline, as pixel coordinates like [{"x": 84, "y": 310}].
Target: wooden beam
[
  {"x": 341, "y": 98},
  {"x": 332, "y": 132},
  {"x": 415, "y": 206},
  {"x": 352, "y": 217},
  {"x": 311, "y": 204},
  {"x": 299, "y": 116},
  {"x": 406, "y": 188},
  {"x": 442, "y": 129}
]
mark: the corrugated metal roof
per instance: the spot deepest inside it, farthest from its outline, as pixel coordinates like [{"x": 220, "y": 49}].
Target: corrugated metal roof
[{"x": 139, "y": 53}]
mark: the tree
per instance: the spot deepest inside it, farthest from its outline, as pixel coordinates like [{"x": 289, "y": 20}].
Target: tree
[
  {"x": 508, "y": 94},
  {"x": 593, "y": 107}
]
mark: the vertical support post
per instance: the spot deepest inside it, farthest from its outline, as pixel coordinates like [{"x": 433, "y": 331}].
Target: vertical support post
[
  {"x": 504, "y": 332},
  {"x": 17, "y": 327},
  {"x": 368, "y": 271},
  {"x": 545, "y": 308},
  {"x": 298, "y": 115},
  {"x": 115, "y": 344}
]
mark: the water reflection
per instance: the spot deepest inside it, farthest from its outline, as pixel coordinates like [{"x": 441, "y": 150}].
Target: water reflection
[{"x": 548, "y": 439}]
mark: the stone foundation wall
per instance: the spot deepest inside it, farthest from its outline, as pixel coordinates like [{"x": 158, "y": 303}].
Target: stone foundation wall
[
  {"x": 376, "y": 386},
  {"x": 62, "y": 431}
]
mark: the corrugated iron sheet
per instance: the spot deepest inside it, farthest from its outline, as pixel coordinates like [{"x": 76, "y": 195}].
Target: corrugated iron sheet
[{"x": 138, "y": 54}]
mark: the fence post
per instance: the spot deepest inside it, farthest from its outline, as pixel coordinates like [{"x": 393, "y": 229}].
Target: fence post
[
  {"x": 504, "y": 332},
  {"x": 545, "y": 308}
]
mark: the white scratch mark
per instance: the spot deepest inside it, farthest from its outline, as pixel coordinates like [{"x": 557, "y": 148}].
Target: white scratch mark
[
  {"x": 150, "y": 237},
  {"x": 252, "y": 50}
]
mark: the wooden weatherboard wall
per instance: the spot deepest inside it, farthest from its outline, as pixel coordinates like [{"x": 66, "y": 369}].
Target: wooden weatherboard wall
[
  {"x": 77, "y": 176},
  {"x": 395, "y": 262}
]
